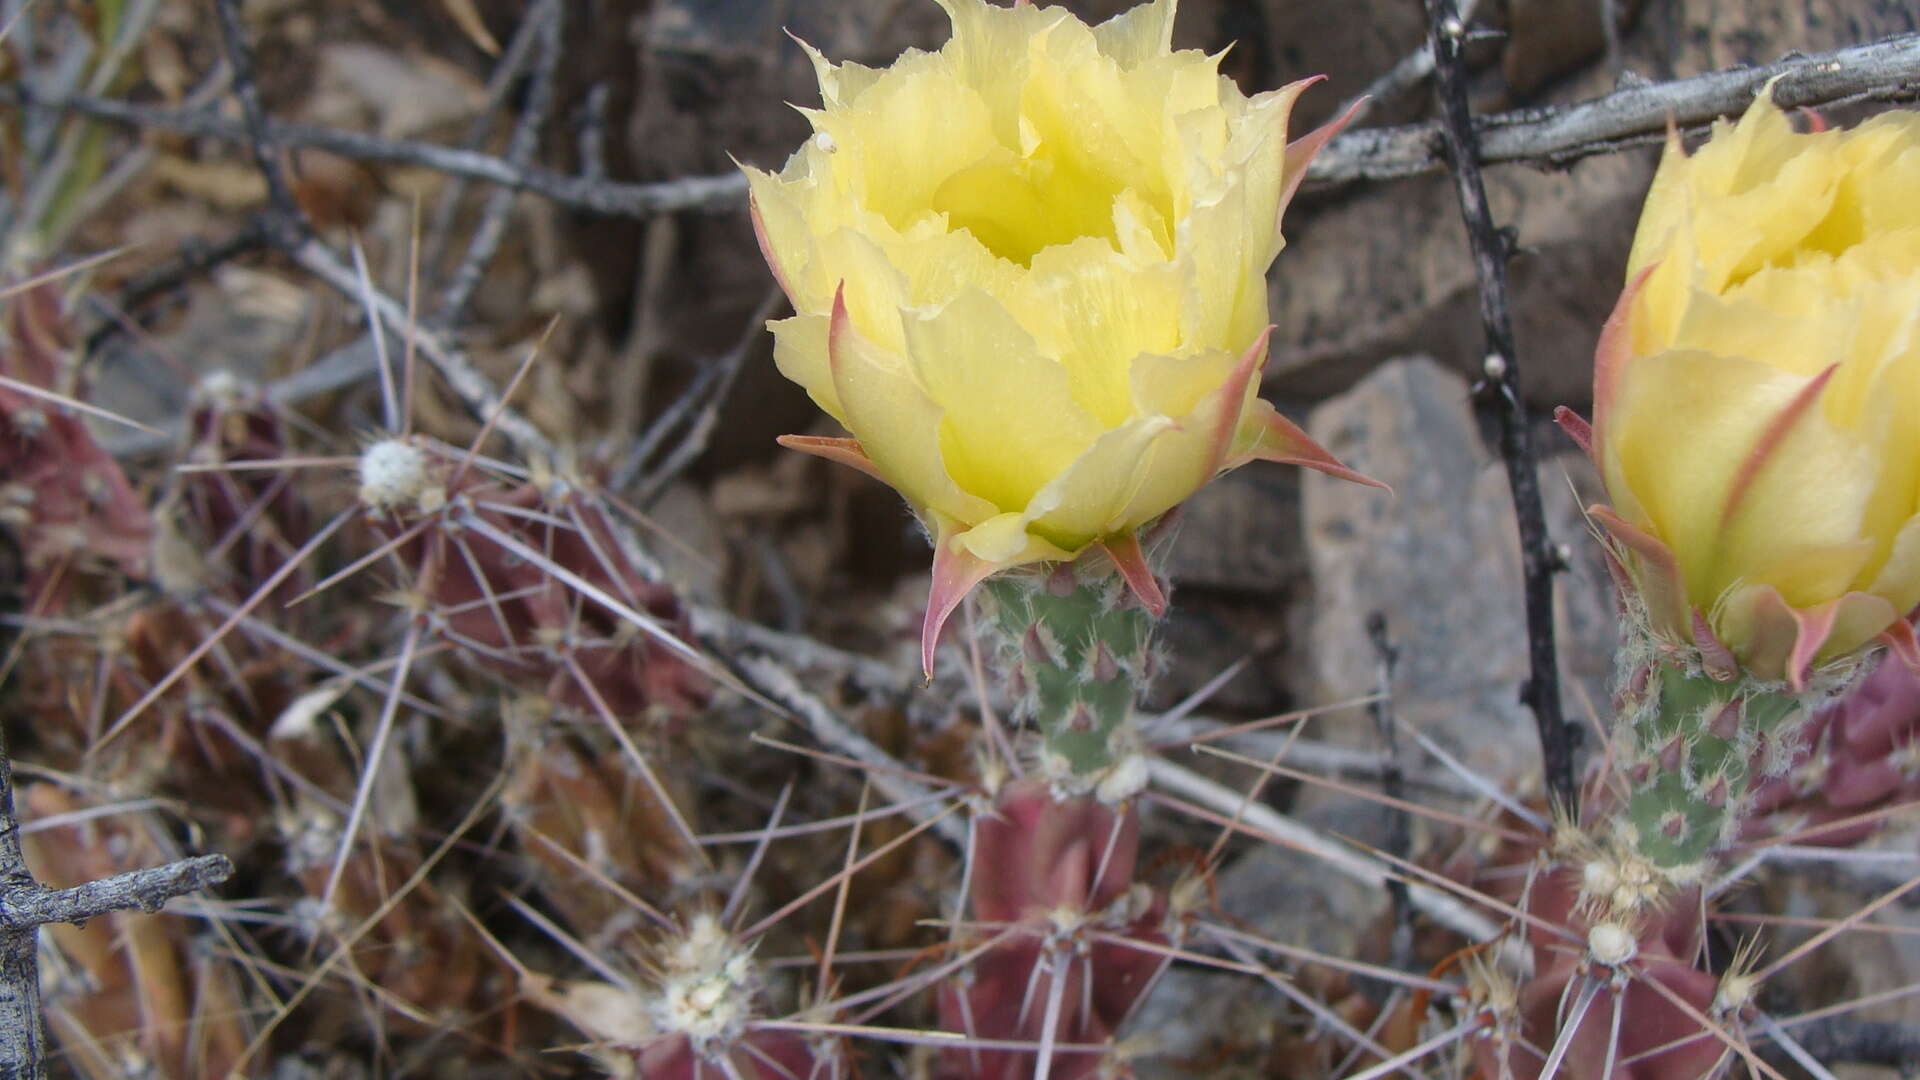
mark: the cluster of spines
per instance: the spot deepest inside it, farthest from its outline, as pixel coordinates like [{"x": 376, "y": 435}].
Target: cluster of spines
[{"x": 1073, "y": 942}]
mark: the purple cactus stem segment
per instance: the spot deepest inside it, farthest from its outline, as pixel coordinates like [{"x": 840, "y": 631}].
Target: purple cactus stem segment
[
  {"x": 1056, "y": 878},
  {"x": 1663, "y": 945},
  {"x": 522, "y": 622},
  {"x": 255, "y": 516},
  {"x": 759, "y": 1055},
  {"x": 65, "y": 496}
]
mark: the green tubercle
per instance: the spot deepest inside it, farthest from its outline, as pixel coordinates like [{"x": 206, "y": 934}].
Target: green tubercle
[
  {"x": 1076, "y": 644},
  {"x": 1690, "y": 744}
]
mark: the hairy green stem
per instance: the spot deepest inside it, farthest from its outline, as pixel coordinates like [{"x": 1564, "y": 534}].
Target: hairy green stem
[
  {"x": 1692, "y": 748},
  {"x": 1077, "y": 647}
]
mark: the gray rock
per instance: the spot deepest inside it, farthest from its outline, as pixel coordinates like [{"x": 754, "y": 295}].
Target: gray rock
[
  {"x": 1241, "y": 532},
  {"x": 1440, "y": 559}
]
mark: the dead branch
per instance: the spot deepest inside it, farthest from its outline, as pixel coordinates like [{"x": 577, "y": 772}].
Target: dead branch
[
  {"x": 1558, "y": 136},
  {"x": 26, "y": 906},
  {"x": 1497, "y": 397}
]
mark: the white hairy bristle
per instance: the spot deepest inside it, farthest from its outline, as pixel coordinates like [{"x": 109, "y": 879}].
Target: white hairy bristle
[
  {"x": 707, "y": 984},
  {"x": 1611, "y": 945},
  {"x": 395, "y": 473}
]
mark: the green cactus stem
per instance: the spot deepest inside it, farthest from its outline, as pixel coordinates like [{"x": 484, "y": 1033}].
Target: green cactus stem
[
  {"x": 1691, "y": 747},
  {"x": 1077, "y": 646}
]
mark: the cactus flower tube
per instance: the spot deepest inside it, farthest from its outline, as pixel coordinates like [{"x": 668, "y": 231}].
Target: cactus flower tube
[
  {"x": 1028, "y": 276},
  {"x": 1754, "y": 400}
]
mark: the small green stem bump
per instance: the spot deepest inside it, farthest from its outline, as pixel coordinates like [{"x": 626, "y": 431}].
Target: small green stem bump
[
  {"x": 1077, "y": 646},
  {"x": 1692, "y": 747}
]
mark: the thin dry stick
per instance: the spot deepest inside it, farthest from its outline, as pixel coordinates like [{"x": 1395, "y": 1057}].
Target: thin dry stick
[
  {"x": 1261, "y": 819},
  {"x": 780, "y": 684},
  {"x": 1497, "y": 398},
  {"x": 26, "y": 906},
  {"x": 1887, "y": 70},
  {"x": 548, "y": 17},
  {"x": 504, "y": 78},
  {"x": 285, "y": 225}
]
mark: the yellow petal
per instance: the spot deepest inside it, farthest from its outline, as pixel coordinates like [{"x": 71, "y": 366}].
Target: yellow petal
[
  {"x": 1898, "y": 578},
  {"x": 1017, "y": 206},
  {"x": 988, "y": 51},
  {"x": 781, "y": 226},
  {"x": 1795, "y": 516},
  {"x": 1881, "y": 171},
  {"x": 1165, "y": 385},
  {"x": 840, "y": 84},
  {"x": 938, "y": 265},
  {"x": 1137, "y": 35},
  {"x": 850, "y": 264},
  {"x": 800, "y": 352},
  {"x": 1004, "y": 541},
  {"x": 1226, "y": 294},
  {"x": 912, "y": 129},
  {"x": 896, "y": 423},
  {"x": 1860, "y": 618},
  {"x": 1095, "y": 310},
  {"x": 1010, "y": 423},
  {"x": 1088, "y": 500},
  {"x": 1076, "y": 103},
  {"x": 1681, "y": 426}
]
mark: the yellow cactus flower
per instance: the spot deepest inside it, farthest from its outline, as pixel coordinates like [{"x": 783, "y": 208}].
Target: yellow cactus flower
[
  {"x": 1757, "y": 394},
  {"x": 1028, "y": 272}
]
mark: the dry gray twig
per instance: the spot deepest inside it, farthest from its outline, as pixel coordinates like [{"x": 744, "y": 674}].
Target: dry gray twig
[
  {"x": 549, "y": 19},
  {"x": 1556, "y": 136},
  {"x": 1887, "y": 70},
  {"x": 888, "y": 775},
  {"x": 1343, "y": 858},
  {"x": 26, "y": 906},
  {"x": 1498, "y": 400}
]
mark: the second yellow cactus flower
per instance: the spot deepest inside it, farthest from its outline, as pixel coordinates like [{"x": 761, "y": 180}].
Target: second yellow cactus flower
[
  {"x": 1757, "y": 394},
  {"x": 1029, "y": 277}
]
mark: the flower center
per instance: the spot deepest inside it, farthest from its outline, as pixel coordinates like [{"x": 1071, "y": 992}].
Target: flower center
[{"x": 1018, "y": 206}]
